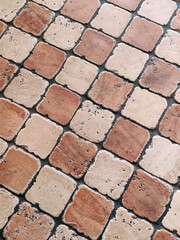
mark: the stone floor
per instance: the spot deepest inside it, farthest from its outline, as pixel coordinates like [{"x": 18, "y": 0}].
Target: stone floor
[{"x": 90, "y": 119}]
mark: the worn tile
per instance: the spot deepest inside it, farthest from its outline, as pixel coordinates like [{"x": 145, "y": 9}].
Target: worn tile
[
  {"x": 73, "y": 155},
  {"x": 59, "y": 104},
  {"x": 63, "y": 33},
  {"x": 3, "y": 27},
  {"x": 3, "y": 146},
  {"x": 28, "y": 223},
  {"x": 160, "y": 77},
  {"x": 130, "y": 65},
  {"x": 51, "y": 191},
  {"x": 170, "y": 124},
  {"x": 177, "y": 96},
  {"x": 26, "y": 89},
  {"x": 143, "y": 34},
  {"x": 110, "y": 91},
  {"x": 108, "y": 174},
  {"x": 175, "y": 23},
  {"x": 16, "y": 45},
  {"x": 52, "y": 4},
  {"x": 88, "y": 212},
  {"x": 164, "y": 235},
  {"x": 80, "y": 10},
  {"x": 8, "y": 202},
  {"x": 12, "y": 118},
  {"x": 95, "y": 46},
  {"x": 77, "y": 74},
  {"x": 142, "y": 107},
  {"x": 112, "y": 20},
  {"x": 127, "y": 140},
  {"x": 17, "y": 170},
  {"x": 92, "y": 122},
  {"x": 126, "y": 225},
  {"x": 147, "y": 196},
  {"x": 127, "y": 4},
  {"x": 39, "y": 135}
]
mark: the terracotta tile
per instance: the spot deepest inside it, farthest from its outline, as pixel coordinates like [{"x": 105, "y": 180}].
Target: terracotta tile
[
  {"x": 108, "y": 174},
  {"x": 127, "y": 140},
  {"x": 127, "y": 4},
  {"x": 95, "y": 46},
  {"x": 3, "y": 27},
  {"x": 160, "y": 77},
  {"x": 45, "y": 60},
  {"x": 130, "y": 65},
  {"x": 34, "y": 18},
  {"x": 88, "y": 212},
  {"x": 3, "y": 146},
  {"x": 17, "y": 170},
  {"x": 162, "y": 16},
  {"x": 110, "y": 91},
  {"x": 112, "y": 20},
  {"x": 170, "y": 124},
  {"x": 26, "y": 88},
  {"x": 73, "y": 155},
  {"x": 177, "y": 96},
  {"x": 92, "y": 122},
  {"x": 147, "y": 196},
  {"x": 175, "y": 23},
  {"x": 80, "y": 10},
  {"x": 142, "y": 107},
  {"x": 52, "y": 4},
  {"x": 39, "y": 135},
  {"x": 12, "y": 118},
  {"x": 63, "y": 33},
  {"x": 51, "y": 191},
  {"x": 127, "y": 226},
  {"x": 164, "y": 235},
  {"x": 59, "y": 104},
  {"x": 28, "y": 223},
  {"x": 15, "y": 41}
]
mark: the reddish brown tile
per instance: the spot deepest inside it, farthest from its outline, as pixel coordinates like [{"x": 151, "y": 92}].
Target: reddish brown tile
[
  {"x": 175, "y": 24},
  {"x": 127, "y": 4},
  {"x": 3, "y": 27},
  {"x": 164, "y": 235}
]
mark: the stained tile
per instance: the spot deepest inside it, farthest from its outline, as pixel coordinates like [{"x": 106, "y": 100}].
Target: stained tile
[
  {"x": 3, "y": 27},
  {"x": 162, "y": 234},
  {"x": 3, "y": 146},
  {"x": 127, "y": 4}
]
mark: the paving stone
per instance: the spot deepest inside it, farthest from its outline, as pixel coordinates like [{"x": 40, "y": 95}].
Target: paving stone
[
  {"x": 39, "y": 135},
  {"x": 112, "y": 20},
  {"x": 3, "y": 146},
  {"x": 16, "y": 45},
  {"x": 162, "y": 16},
  {"x": 92, "y": 122},
  {"x": 52, "y": 4},
  {"x": 26, "y": 88},
  {"x": 169, "y": 47},
  {"x": 127, "y": 226},
  {"x": 95, "y": 46},
  {"x": 127, "y": 4},
  {"x": 88, "y": 212},
  {"x": 63, "y": 33},
  {"x": 160, "y": 77},
  {"x": 128, "y": 66},
  {"x": 147, "y": 196},
  {"x": 3, "y": 27},
  {"x": 142, "y": 107},
  {"x": 51, "y": 190},
  {"x": 28, "y": 223},
  {"x": 143, "y": 34},
  {"x": 34, "y": 19},
  {"x": 110, "y": 91},
  {"x": 111, "y": 174},
  {"x": 80, "y": 10},
  {"x": 46, "y": 60},
  {"x": 12, "y": 118},
  {"x": 17, "y": 170},
  {"x": 73, "y": 155},
  {"x": 59, "y": 104},
  {"x": 127, "y": 140},
  {"x": 170, "y": 124},
  {"x": 77, "y": 74},
  {"x": 164, "y": 235},
  {"x": 177, "y": 96},
  {"x": 175, "y": 23}
]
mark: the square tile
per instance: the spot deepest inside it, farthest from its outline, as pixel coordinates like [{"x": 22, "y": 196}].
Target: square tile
[
  {"x": 127, "y": 4},
  {"x": 175, "y": 23},
  {"x": 55, "y": 5},
  {"x": 3, "y": 146},
  {"x": 3, "y": 27},
  {"x": 162, "y": 234}
]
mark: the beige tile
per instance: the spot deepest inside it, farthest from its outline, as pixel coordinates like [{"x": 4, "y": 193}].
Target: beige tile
[
  {"x": 3, "y": 146},
  {"x": 52, "y": 4},
  {"x": 177, "y": 96}
]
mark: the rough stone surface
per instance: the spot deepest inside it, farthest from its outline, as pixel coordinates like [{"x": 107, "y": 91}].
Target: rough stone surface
[
  {"x": 51, "y": 190},
  {"x": 95, "y": 46},
  {"x": 177, "y": 96},
  {"x": 39, "y": 135},
  {"x": 142, "y": 107},
  {"x": 128, "y": 66},
  {"x": 164, "y": 235},
  {"x": 77, "y": 74},
  {"x": 127, "y": 226},
  {"x": 147, "y": 196},
  {"x": 3, "y": 146},
  {"x": 73, "y": 155},
  {"x": 111, "y": 174},
  {"x": 3, "y": 27},
  {"x": 89, "y": 212},
  {"x": 175, "y": 23},
  {"x": 52, "y": 4},
  {"x": 63, "y": 33},
  {"x": 92, "y": 122},
  {"x": 127, "y": 4},
  {"x": 26, "y": 88},
  {"x": 127, "y": 140}
]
